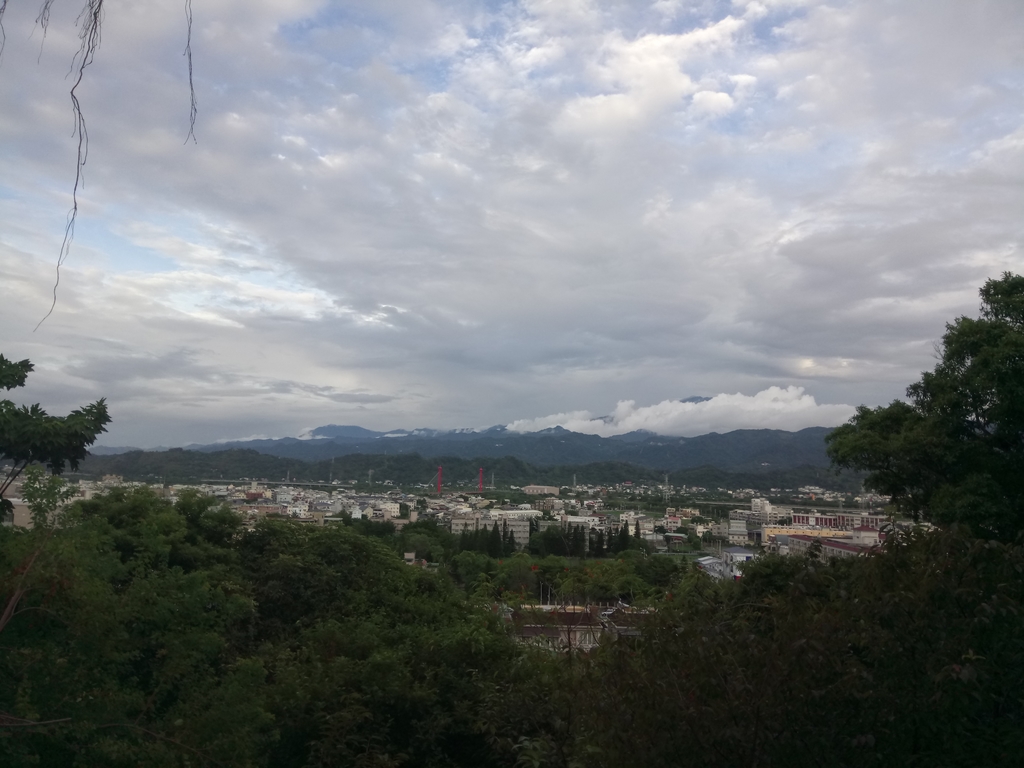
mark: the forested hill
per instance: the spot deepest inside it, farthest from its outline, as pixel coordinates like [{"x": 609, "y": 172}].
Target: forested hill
[
  {"x": 746, "y": 450},
  {"x": 179, "y": 466},
  {"x": 141, "y": 633}
]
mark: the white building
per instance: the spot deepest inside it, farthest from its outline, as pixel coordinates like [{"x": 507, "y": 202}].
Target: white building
[
  {"x": 733, "y": 558},
  {"x": 762, "y": 511},
  {"x": 514, "y": 514},
  {"x": 734, "y": 531},
  {"x": 712, "y": 566},
  {"x": 519, "y": 528},
  {"x": 572, "y": 520}
]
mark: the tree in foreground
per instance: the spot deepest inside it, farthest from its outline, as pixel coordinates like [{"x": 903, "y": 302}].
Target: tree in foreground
[
  {"x": 29, "y": 435},
  {"x": 955, "y": 451},
  {"x": 152, "y": 634},
  {"x": 911, "y": 657}
]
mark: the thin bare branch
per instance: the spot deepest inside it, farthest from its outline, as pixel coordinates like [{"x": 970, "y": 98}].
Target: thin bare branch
[
  {"x": 194, "y": 108},
  {"x": 10, "y": 721},
  {"x": 89, "y": 23},
  {"x": 19, "y": 592},
  {"x": 6, "y": 482},
  {"x": 3, "y": 34},
  {"x": 43, "y": 20}
]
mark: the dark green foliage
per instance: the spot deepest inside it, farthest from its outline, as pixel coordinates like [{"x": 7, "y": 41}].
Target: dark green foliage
[
  {"x": 599, "y": 544},
  {"x": 621, "y": 542},
  {"x": 955, "y": 452},
  {"x": 13, "y": 374},
  {"x": 181, "y": 466},
  {"x": 912, "y": 657},
  {"x": 428, "y": 540},
  {"x": 494, "y": 544},
  {"x": 164, "y": 636},
  {"x": 126, "y": 630},
  {"x": 380, "y": 529},
  {"x": 28, "y": 435},
  {"x": 472, "y": 568},
  {"x": 555, "y": 540},
  {"x": 370, "y": 657},
  {"x": 168, "y": 636}
]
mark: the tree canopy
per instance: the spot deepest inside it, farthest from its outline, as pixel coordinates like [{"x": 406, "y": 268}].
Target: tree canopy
[
  {"x": 161, "y": 635},
  {"x": 954, "y": 451},
  {"x": 29, "y": 435},
  {"x": 168, "y": 635}
]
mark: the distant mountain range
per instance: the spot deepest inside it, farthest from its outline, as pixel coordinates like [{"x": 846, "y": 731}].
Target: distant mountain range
[
  {"x": 743, "y": 450},
  {"x": 180, "y": 466}
]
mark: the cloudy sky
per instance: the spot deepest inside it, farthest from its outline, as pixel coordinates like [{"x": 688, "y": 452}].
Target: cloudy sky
[{"x": 405, "y": 213}]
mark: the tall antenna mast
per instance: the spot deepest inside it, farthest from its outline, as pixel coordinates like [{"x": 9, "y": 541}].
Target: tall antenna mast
[
  {"x": 480, "y": 481},
  {"x": 439, "y": 480}
]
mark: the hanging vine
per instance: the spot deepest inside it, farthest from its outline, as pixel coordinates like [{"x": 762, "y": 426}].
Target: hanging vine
[{"x": 89, "y": 23}]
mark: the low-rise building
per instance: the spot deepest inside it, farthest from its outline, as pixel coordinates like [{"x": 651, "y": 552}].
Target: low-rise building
[
  {"x": 519, "y": 528},
  {"x": 838, "y": 520},
  {"x": 712, "y": 566},
  {"x": 770, "y": 532},
  {"x": 732, "y": 530},
  {"x": 541, "y": 490},
  {"x": 733, "y": 558},
  {"x": 559, "y": 628},
  {"x": 862, "y": 544}
]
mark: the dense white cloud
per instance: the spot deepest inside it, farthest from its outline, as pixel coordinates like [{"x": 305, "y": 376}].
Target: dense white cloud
[
  {"x": 773, "y": 408},
  {"x": 438, "y": 214}
]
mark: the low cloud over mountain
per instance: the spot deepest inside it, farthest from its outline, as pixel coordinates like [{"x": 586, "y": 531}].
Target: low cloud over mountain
[{"x": 773, "y": 408}]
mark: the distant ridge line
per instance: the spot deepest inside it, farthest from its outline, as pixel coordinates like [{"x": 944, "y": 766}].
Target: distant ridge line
[{"x": 747, "y": 450}]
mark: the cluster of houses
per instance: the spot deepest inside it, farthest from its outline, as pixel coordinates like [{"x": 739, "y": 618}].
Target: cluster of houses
[
  {"x": 785, "y": 531},
  {"x": 761, "y": 527},
  {"x": 742, "y": 536}
]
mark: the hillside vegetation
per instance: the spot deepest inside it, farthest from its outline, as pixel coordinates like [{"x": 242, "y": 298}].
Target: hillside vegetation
[
  {"x": 181, "y": 466},
  {"x": 146, "y": 634},
  {"x": 742, "y": 450}
]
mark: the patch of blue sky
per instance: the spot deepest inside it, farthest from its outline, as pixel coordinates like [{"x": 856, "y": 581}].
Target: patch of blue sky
[
  {"x": 797, "y": 169},
  {"x": 694, "y": 132},
  {"x": 329, "y": 16},
  {"x": 797, "y": 174},
  {"x": 6, "y": 193},
  {"x": 434, "y": 75},
  {"x": 973, "y": 132},
  {"x": 735, "y": 123},
  {"x": 277, "y": 280},
  {"x": 761, "y": 33},
  {"x": 688, "y": 19},
  {"x": 765, "y": 30},
  {"x": 347, "y": 40},
  {"x": 1008, "y": 80},
  {"x": 118, "y": 253}
]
